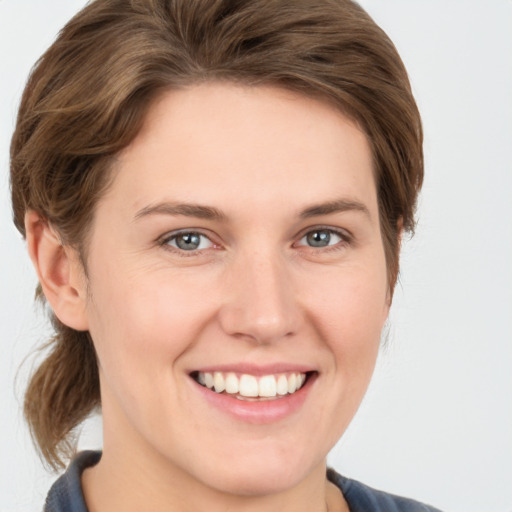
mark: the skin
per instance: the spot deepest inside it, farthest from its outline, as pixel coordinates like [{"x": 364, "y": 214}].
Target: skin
[{"x": 254, "y": 292}]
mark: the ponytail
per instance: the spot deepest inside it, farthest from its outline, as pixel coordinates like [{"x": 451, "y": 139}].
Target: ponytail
[{"x": 61, "y": 393}]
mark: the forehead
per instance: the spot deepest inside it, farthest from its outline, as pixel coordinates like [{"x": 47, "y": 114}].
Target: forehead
[{"x": 233, "y": 144}]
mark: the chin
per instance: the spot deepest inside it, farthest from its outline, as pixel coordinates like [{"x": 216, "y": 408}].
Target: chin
[
  {"x": 254, "y": 482},
  {"x": 261, "y": 473}
]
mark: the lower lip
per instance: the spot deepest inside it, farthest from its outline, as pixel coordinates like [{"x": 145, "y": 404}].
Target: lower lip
[{"x": 258, "y": 412}]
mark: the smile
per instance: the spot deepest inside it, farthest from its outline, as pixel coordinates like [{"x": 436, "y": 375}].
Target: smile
[{"x": 250, "y": 387}]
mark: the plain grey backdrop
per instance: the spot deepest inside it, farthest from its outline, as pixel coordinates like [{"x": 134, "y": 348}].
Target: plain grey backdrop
[{"x": 437, "y": 421}]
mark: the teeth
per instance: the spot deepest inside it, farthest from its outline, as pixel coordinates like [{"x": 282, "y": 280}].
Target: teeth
[
  {"x": 266, "y": 386},
  {"x": 282, "y": 385},
  {"x": 208, "y": 380},
  {"x": 292, "y": 383},
  {"x": 248, "y": 385},
  {"x": 231, "y": 383},
  {"x": 218, "y": 382}
]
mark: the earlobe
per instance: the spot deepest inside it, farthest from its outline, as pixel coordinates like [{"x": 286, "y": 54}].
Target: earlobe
[{"x": 59, "y": 271}]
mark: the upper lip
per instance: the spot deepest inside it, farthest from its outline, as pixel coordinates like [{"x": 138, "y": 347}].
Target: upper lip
[{"x": 256, "y": 370}]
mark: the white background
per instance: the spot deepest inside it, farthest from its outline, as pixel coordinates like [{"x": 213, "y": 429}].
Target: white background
[{"x": 437, "y": 421}]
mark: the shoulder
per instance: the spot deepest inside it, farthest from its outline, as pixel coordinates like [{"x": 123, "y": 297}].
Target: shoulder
[
  {"x": 361, "y": 498},
  {"x": 66, "y": 493}
]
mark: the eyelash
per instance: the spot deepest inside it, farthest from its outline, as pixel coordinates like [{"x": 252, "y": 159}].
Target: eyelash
[
  {"x": 167, "y": 239},
  {"x": 345, "y": 240}
]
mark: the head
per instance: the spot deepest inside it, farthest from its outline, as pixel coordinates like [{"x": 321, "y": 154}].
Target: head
[{"x": 90, "y": 95}]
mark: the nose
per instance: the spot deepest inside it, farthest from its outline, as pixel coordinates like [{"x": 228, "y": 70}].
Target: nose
[{"x": 261, "y": 303}]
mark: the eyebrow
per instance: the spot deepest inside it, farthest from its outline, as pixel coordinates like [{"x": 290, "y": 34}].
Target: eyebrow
[
  {"x": 186, "y": 209},
  {"x": 336, "y": 206},
  {"x": 212, "y": 213}
]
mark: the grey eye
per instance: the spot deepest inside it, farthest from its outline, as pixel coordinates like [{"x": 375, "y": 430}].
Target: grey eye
[
  {"x": 189, "y": 241},
  {"x": 320, "y": 238}
]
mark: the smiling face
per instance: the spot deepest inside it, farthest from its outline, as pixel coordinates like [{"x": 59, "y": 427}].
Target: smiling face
[{"x": 238, "y": 247}]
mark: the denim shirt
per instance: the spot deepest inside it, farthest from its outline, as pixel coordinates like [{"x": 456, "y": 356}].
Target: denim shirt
[{"x": 66, "y": 493}]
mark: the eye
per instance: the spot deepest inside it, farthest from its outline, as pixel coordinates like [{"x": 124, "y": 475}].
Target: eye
[
  {"x": 188, "y": 241},
  {"x": 321, "y": 238}
]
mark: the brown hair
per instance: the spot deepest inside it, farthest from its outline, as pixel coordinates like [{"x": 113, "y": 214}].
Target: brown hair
[{"x": 87, "y": 96}]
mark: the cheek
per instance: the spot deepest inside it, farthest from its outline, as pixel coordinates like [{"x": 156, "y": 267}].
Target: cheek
[
  {"x": 141, "y": 325},
  {"x": 144, "y": 313},
  {"x": 140, "y": 321},
  {"x": 350, "y": 309},
  {"x": 352, "y": 301}
]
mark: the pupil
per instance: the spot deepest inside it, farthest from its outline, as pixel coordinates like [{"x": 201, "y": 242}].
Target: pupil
[
  {"x": 319, "y": 238},
  {"x": 188, "y": 241}
]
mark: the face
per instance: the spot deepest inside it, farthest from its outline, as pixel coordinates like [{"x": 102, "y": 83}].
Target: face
[{"x": 236, "y": 257}]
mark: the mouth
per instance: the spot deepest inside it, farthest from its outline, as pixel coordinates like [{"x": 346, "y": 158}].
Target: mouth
[{"x": 249, "y": 387}]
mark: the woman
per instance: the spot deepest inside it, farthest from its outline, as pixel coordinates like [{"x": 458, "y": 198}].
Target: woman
[{"x": 213, "y": 195}]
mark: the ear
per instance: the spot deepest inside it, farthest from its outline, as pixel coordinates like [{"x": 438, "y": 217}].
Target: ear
[{"x": 59, "y": 270}]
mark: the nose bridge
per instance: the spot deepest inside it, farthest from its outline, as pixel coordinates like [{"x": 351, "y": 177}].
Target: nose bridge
[{"x": 261, "y": 303}]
